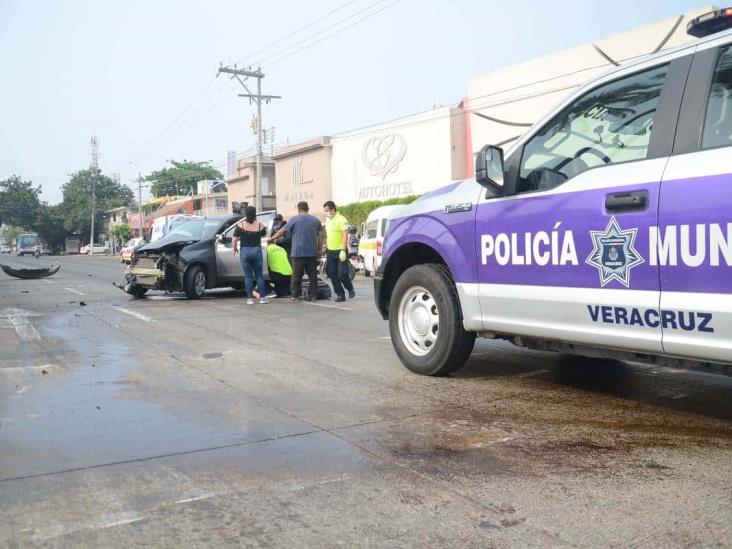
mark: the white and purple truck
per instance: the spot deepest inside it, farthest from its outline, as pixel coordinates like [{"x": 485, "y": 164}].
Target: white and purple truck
[{"x": 606, "y": 230}]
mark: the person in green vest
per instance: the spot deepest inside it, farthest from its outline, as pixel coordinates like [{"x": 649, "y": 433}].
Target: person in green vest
[
  {"x": 336, "y": 243},
  {"x": 280, "y": 270}
]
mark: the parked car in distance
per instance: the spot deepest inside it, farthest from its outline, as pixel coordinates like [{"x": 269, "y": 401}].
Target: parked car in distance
[
  {"x": 125, "y": 255},
  {"x": 5, "y": 249},
  {"x": 98, "y": 249}
]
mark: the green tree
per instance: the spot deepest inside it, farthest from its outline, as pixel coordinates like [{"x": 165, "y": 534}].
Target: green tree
[
  {"x": 19, "y": 203},
  {"x": 50, "y": 225},
  {"x": 181, "y": 177},
  {"x": 357, "y": 212},
  {"x": 77, "y": 203},
  {"x": 11, "y": 232},
  {"x": 121, "y": 232}
]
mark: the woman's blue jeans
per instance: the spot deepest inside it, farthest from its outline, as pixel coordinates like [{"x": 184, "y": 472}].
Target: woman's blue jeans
[{"x": 251, "y": 263}]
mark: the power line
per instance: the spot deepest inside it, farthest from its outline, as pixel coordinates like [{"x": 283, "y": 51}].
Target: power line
[
  {"x": 334, "y": 25},
  {"x": 298, "y": 31},
  {"x": 174, "y": 128}
]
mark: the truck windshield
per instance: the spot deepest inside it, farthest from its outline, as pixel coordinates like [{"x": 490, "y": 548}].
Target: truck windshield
[{"x": 27, "y": 240}]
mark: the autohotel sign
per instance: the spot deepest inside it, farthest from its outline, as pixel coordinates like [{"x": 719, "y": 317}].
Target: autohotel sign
[{"x": 382, "y": 156}]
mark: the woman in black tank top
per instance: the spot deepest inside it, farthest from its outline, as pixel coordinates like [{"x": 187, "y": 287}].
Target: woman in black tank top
[{"x": 249, "y": 233}]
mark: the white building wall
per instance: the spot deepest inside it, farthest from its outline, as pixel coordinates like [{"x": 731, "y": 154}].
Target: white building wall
[
  {"x": 408, "y": 156},
  {"x": 523, "y": 93}
]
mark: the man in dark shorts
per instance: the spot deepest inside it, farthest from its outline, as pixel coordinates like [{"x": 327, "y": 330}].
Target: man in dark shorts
[{"x": 306, "y": 233}]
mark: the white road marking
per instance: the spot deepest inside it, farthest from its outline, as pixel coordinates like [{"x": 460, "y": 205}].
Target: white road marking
[
  {"x": 104, "y": 521},
  {"x": 328, "y": 306},
  {"x": 73, "y": 291},
  {"x": 384, "y": 337},
  {"x": 17, "y": 319},
  {"x": 133, "y": 313},
  {"x": 196, "y": 498},
  {"x": 26, "y": 368}
]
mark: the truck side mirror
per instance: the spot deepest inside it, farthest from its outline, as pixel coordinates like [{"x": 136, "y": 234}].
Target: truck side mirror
[{"x": 489, "y": 167}]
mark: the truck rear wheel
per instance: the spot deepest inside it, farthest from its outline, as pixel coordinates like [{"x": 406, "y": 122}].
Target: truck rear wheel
[{"x": 426, "y": 323}]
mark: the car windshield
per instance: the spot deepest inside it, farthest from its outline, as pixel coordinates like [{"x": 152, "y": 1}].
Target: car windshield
[{"x": 196, "y": 229}]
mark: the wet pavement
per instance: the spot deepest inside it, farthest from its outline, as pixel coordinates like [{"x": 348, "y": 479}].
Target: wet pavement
[{"x": 164, "y": 422}]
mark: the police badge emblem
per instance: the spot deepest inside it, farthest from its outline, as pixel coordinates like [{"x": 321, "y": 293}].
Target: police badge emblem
[{"x": 614, "y": 253}]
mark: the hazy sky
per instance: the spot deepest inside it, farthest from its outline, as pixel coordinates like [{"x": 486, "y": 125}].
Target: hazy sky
[{"x": 140, "y": 74}]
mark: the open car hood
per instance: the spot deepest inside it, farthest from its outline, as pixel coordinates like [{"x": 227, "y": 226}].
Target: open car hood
[{"x": 177, "y": 241}]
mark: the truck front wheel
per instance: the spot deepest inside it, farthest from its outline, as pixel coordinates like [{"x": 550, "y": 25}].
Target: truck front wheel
[{"x": 426, "y": 323}]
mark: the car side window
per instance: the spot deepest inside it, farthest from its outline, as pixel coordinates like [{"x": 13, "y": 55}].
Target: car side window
[
  {"x": 610, "y": 124},
  {"x": 718, "y": 120}
]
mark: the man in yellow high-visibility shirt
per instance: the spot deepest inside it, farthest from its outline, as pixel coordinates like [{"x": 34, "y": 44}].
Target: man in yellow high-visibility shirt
[{"x": 336, "y": 233}]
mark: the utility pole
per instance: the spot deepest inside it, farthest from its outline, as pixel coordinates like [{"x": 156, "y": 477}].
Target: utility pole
[
  {"x": 94, "y": 169},
  {"x": 257, "y": 98},
  {"x": 139, "y": 200}
]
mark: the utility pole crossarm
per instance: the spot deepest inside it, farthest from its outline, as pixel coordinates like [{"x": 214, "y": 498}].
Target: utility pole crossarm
[
  {"x": 242, "y": 72},
  {"x": 256, "y": 97}
]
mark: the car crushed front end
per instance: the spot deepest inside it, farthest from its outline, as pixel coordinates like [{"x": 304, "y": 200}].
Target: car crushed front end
[{"x": 155, "y": 269}]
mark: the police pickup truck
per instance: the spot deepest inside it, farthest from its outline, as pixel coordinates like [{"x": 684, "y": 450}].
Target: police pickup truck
[{"x": 606, "y": 230}]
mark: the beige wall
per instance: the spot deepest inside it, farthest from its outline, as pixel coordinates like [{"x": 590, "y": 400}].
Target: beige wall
[
  {"x": 241, "y": 183},
  {"x": 303, "y": 173}
]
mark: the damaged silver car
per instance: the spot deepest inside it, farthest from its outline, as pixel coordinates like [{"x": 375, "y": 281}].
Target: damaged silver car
[{"x": 192, "y": 258}]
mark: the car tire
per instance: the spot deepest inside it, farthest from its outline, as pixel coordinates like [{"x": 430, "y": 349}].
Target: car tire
[
  {"x": 137, "y": 291},
  {"x": 194, "y": 283},
  {"x": 426, "y": 323}
]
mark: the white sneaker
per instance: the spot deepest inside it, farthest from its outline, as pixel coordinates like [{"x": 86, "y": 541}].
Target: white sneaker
[
  {"x": 263, "y": 301},
  {"x": 250, "y": 302}
]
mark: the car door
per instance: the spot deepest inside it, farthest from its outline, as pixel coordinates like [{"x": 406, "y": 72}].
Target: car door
[
  {"x": 563, "y": 253},
  {"x": 694, "y": 235},
  {"x": 228, "y": 267}
]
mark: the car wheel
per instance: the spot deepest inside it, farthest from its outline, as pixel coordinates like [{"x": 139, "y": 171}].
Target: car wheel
[
  {"x": 195, "y": 282},
  {"x": 425, "y": 322},
  {"x": 137, "y": 291}
]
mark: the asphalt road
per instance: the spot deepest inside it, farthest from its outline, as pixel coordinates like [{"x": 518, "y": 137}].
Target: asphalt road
[{"x": 169, "y": 422}]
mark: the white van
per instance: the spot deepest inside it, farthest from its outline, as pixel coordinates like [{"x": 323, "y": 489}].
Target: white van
[{"x": 372, "y": 237}]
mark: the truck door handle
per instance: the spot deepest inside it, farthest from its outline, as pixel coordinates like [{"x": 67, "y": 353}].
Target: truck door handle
[{"x": 626, "y": 202}]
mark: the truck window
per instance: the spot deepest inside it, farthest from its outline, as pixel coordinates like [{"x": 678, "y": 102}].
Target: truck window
[
  {"x": 371, "y": 228},
  {"x": 610, "y": 124},
  {"x": 718, "y": 120}
]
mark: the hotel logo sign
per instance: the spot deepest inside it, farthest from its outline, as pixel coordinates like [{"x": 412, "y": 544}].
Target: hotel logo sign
[{"x": 382, "y": 155}]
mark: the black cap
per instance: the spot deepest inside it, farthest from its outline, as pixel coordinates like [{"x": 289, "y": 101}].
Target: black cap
[{"x": 278, "y": 217}]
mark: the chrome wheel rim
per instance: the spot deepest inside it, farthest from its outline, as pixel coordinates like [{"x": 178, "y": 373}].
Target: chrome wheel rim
[
  {"x": 199, "y": 283},
  {"x": 419, "y": 321}
]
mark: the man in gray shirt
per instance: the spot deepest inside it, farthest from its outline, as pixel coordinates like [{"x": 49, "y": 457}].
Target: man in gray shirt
[{"x": 306, "y": 233}]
